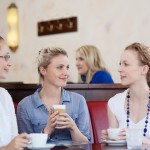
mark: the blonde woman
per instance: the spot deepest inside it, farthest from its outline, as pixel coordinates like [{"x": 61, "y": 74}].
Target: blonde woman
[
  {"x": 9, "y": 138},
  {"x": 90, "y": 66},
  {"x": 33, "y": 113}
]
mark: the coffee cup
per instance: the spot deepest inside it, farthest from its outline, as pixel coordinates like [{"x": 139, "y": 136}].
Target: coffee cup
[
  {"x": 38, "y": 139},
  {"x": 113, "y": 133},
  {"x": 59, "y": 108}
]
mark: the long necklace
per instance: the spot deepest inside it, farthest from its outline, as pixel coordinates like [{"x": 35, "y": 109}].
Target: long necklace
[{"x": 147, "y": 114}]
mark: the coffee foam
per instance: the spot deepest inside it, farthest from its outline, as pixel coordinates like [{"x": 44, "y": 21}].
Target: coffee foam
[{"x": 59, "y": 106}]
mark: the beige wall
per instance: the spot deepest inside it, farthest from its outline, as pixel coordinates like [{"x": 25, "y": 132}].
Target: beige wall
[{"x": 108, "y": 24}]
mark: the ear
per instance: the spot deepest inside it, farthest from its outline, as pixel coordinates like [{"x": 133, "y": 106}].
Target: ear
[
  {"x": 42, "y": 71},
  {"x": 145, "y": 69}
]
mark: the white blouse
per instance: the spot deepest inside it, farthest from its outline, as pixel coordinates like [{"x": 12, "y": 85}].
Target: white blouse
[
  {"x": 8, "y": 123},
  {"x": 116, "y": 105}
]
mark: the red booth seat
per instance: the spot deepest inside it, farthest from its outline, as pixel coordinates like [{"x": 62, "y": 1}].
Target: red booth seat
[{"x": 98, "y": 115}]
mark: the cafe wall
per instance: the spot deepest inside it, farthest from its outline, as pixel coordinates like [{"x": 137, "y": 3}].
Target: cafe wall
[{"x": 108, "y": 24}]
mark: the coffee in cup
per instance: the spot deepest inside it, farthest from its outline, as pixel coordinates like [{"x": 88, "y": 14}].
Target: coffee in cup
[
  {"x": 113, "y": 134},
  {"x": 59, "y": 108}
]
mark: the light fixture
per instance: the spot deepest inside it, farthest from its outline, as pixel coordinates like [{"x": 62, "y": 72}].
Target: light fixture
[{"x": 12, "y": 34}]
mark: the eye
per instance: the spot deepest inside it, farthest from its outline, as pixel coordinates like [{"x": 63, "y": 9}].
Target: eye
[
  {"x": 68, "y": 67},
  {"x": 59, "y": 67},
  {"x": 81, "y": 58},
  {"x": 126, "y": 64}
]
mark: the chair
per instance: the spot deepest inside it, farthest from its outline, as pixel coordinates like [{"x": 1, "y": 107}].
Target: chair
[{"x": 98, "y": 114}]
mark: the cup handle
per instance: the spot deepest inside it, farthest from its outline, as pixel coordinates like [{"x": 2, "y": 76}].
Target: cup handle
[{"x": 30, "y": 139}]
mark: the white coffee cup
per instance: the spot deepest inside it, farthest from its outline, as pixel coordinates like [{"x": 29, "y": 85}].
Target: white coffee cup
[
  {"x": 59, "y": 108},
  {"x": 38, "y": 139},
  {"x": 113, "y": 133}
]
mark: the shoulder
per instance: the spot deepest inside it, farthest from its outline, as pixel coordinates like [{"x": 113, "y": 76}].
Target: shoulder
[
  {"x": 7, "y": 101},
  {"x": 102, "y": 77},
  {"x": 28, "y": 99},
  {"x": 74, "y": 97},
  {"x": 118, "y": 98},
  {"x": 102, "y": 74},
  {"x": 4, "y": 93}
]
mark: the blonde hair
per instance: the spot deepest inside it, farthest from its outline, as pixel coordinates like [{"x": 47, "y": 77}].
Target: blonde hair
[
  {"x": 45, "y": 57},
  {"x": 92, "y": 57},
  {"x": 143, "y": 56}
]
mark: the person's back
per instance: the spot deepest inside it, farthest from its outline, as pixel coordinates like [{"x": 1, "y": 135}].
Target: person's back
[{"x": 91, "y": 67}]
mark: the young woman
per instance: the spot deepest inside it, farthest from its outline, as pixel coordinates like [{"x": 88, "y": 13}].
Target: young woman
[
  {"x": 33, "y": 113},
  {"x": 90, "y": 66},
  {"x": 8, "y": 125},
  {"x": 131, "y": 109}
]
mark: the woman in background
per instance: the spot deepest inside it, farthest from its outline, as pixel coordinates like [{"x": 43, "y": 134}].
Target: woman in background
[
  {"x": 90, "y": 66},
  {"x": 33, "y": 113},
  {"x": 9, "y": 140},
  {"x": 131, "y": 109}
]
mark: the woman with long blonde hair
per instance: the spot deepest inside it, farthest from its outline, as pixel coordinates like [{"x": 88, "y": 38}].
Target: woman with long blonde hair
[{"x": 90, "y": 65}]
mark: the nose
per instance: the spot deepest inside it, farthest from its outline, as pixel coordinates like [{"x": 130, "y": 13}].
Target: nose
[
  {"x": 9, "y": 64},
  {"x": 66, "y": 72},
  {"x": 120, "y": 68},
  {"x": 77, "y": 62}
]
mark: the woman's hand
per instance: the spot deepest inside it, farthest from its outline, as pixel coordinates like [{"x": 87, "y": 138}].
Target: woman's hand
[
  {"x": 145, "y": 140},
  {"x": 104, "y": 135},
  {"x": 65, "y": 121},
  {"x": 19, "y": 142},
  {"x": 51, "y": 123},
  {"x": 122, "y": 134}
]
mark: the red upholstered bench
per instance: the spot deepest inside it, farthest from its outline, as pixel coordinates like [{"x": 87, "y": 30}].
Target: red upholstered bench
[
  {"x": 15, "y": 106},
  {"x": 98, "y": 114}
]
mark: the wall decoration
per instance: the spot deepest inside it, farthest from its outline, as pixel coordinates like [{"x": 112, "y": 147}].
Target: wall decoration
[{"x": 57, "y": 26}]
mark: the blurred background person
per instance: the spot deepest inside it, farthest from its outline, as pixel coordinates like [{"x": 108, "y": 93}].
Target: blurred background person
[
  {"x": 90, "y": 65},
  {"x": 9, "y": 138},
  {"x": 34, "y": 111}
]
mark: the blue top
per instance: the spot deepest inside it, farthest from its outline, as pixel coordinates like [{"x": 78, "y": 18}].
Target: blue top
[
  {"x": 99, "y": 77},
  {"x": 32, "y": 115}
]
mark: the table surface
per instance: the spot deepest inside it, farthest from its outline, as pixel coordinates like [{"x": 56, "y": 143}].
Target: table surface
[
  {"x": 95, "y": 147},
  {"x": 98, "y": 146}
]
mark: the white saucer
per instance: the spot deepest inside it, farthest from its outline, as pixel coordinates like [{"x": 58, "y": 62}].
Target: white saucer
[
  {"x": 47, "y": 146},
  {"x": 115, "y": 143}
]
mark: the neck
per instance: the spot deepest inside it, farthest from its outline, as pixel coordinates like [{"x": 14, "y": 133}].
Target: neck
[
  {"x": 50, "y": 93},
  {"x": 139, "y": 93}
]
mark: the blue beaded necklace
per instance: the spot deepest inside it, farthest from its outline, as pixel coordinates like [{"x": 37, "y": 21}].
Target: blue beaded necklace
[{"x": 147, "y": 114}]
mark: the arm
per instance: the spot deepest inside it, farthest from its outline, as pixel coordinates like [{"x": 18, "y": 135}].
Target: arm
[
  {"x": 112, "y": 122},
  {"x": 14, "y": 127},
  {"x": 24, "y": 124},
  {"x": 79, "y": 130}
]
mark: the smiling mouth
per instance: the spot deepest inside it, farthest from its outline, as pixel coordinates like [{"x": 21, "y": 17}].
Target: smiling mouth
[
  {"x": 6, "y": 70},
  {"x": 122, "y": 77}
]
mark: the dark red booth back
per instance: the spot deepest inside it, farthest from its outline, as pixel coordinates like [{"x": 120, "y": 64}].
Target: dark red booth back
[{"x": 98, "y": 114}]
